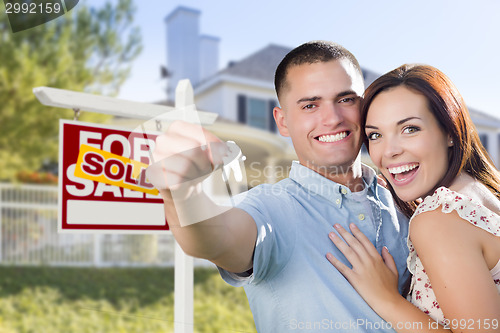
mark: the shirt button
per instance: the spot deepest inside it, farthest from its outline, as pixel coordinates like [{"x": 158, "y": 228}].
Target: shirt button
[
  {"x": 337, "y": 201},
  {"x": 344, "y": 191},
  {"x": 361, "y": 217}
]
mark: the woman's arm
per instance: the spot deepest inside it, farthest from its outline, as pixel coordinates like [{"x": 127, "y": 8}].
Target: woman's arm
[{"x": 451, "y": 251}]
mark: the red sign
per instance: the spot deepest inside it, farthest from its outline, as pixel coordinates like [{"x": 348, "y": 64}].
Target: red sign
[{"x": 101, "y": 199}]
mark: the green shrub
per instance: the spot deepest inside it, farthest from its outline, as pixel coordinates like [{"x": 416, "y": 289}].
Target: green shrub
[{"x": 93, "y": 300}]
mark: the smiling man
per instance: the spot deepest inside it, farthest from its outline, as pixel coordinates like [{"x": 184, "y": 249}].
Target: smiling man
[
  {"x": 274, "y": 241},
  {"x": 320, "y": 112}
]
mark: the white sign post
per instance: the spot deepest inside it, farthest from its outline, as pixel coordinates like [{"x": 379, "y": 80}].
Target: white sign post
[
  {"x": 183, "y": 313},
  {"x": 184, "y": 110}
]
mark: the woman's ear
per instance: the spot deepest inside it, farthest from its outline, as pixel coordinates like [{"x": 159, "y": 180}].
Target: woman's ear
[
  {"x": 450, "y": 141},
  {"x": 280, "y": 118}
]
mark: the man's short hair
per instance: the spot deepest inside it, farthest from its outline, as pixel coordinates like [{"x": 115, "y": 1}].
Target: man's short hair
[{"x": 309, "y": 53}]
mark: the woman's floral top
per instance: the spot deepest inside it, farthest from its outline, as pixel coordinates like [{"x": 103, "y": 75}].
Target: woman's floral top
[{"x": 421, "y": 293}]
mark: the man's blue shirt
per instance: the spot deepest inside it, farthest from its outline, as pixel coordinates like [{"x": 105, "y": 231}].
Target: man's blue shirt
[{"x": 293, "y": 287}]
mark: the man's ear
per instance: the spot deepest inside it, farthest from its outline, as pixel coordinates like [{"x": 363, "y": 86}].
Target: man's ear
[{"x": 279, "y": 117}]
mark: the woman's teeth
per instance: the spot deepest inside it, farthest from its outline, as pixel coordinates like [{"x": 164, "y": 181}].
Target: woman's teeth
[
  {"x": 402, "y": 172},
  {"x": 402, "y": 168}
]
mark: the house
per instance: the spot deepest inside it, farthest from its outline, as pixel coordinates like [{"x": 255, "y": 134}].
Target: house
[
  {"x": 488, "y": 128},
  {"x": 243, "y": 95}
]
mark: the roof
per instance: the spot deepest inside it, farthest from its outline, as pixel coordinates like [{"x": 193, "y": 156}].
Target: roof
[
  {"x": 369, "y": 76},
  {"x": 484, "y": 119},
  {"x": 260, "y": 65}
]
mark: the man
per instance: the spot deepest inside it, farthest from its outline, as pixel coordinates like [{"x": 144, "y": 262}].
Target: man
[{"x": 274, "y": 242}]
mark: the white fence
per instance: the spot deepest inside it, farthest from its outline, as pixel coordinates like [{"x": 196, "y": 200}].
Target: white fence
[{"x": 28, "y": 227}]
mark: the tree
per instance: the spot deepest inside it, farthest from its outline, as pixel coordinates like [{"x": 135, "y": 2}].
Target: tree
[{"x": 87, "y": 50}]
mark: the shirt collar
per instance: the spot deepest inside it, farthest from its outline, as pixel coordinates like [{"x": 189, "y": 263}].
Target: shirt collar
[{"x": 317, "y": 184}]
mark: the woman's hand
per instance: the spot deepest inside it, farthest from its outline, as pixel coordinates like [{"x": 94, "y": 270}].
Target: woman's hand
[{"x": 374, "y": 277}]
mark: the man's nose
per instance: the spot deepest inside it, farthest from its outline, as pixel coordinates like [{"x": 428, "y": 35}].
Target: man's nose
[{"x": 331, "y": 115}]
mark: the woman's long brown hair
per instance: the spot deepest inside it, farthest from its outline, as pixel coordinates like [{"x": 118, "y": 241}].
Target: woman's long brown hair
[{"x": 445, "y": 102}]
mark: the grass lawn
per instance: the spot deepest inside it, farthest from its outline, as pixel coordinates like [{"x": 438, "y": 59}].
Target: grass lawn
[{"x": 128, "y": 300}]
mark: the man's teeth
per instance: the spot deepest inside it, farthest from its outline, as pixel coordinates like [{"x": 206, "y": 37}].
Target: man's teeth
[
  {"x": 332, "y": 138},
  {"x": 403, "y": 168}
]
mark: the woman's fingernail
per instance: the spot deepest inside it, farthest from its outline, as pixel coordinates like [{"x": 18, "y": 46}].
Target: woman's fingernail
[
  {"x": 329, "y": 256},
  {"x": 336, "y": 226},
  {"x": 385, "y": 247},
  {"x": 332, "y": 235},
  {"x": 353, "y": 226}
]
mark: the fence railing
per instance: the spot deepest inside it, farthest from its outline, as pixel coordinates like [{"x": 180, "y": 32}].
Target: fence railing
[{"x": 28, "y": 236}]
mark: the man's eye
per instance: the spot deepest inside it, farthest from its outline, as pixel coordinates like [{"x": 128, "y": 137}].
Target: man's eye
[
  {"x": 309, "y": 106},
  {"x": 348, "y": 100},
  {"x": 373, "y": 136}
]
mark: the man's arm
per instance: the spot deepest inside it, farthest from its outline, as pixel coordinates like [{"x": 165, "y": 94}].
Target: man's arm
[{"x": 224, "y": 235}]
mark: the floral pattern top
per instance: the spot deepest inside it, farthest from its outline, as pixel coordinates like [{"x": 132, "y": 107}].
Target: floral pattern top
[{"x": 421, "y": 293}]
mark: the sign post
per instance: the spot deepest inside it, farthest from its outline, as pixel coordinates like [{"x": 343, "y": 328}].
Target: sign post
[
  {"x": 183, "y": 313},
  {"x": 111, "y": 148}
]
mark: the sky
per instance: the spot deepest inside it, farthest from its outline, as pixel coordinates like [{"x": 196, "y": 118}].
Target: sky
[{"x": 460, "y": 37}]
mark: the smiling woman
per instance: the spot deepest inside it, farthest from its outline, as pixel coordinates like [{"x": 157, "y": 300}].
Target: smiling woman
[
  {"x": 401, "y": 131},
  {"x": 419, "y": 134},
  {"x": 413, "y": 90}
]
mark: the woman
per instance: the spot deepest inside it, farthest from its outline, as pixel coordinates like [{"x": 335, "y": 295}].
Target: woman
[{"x": 420, "y": 136}]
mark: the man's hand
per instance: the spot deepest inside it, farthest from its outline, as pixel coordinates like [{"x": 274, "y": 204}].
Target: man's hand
[{"x": 183, "y": 157}]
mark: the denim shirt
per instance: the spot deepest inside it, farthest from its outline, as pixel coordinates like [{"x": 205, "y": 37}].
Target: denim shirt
[{"x": 293, "y": 287}]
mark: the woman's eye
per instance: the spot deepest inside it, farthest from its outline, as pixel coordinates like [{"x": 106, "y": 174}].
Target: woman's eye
[
  {"x": 373, "y": 136},
  {"x": 410, "y": 129}
]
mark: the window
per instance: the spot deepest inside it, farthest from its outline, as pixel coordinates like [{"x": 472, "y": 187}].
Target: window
[
  {"x": 256, "y": 112},
  {"x": 484, "y": 140}
]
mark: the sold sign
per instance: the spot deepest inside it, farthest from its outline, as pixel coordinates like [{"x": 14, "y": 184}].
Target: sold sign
[{"x": 112, "y": 169}]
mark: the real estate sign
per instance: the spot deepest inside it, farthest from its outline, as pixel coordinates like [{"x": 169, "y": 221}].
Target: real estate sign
[{"x": 102, "y": 182}]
